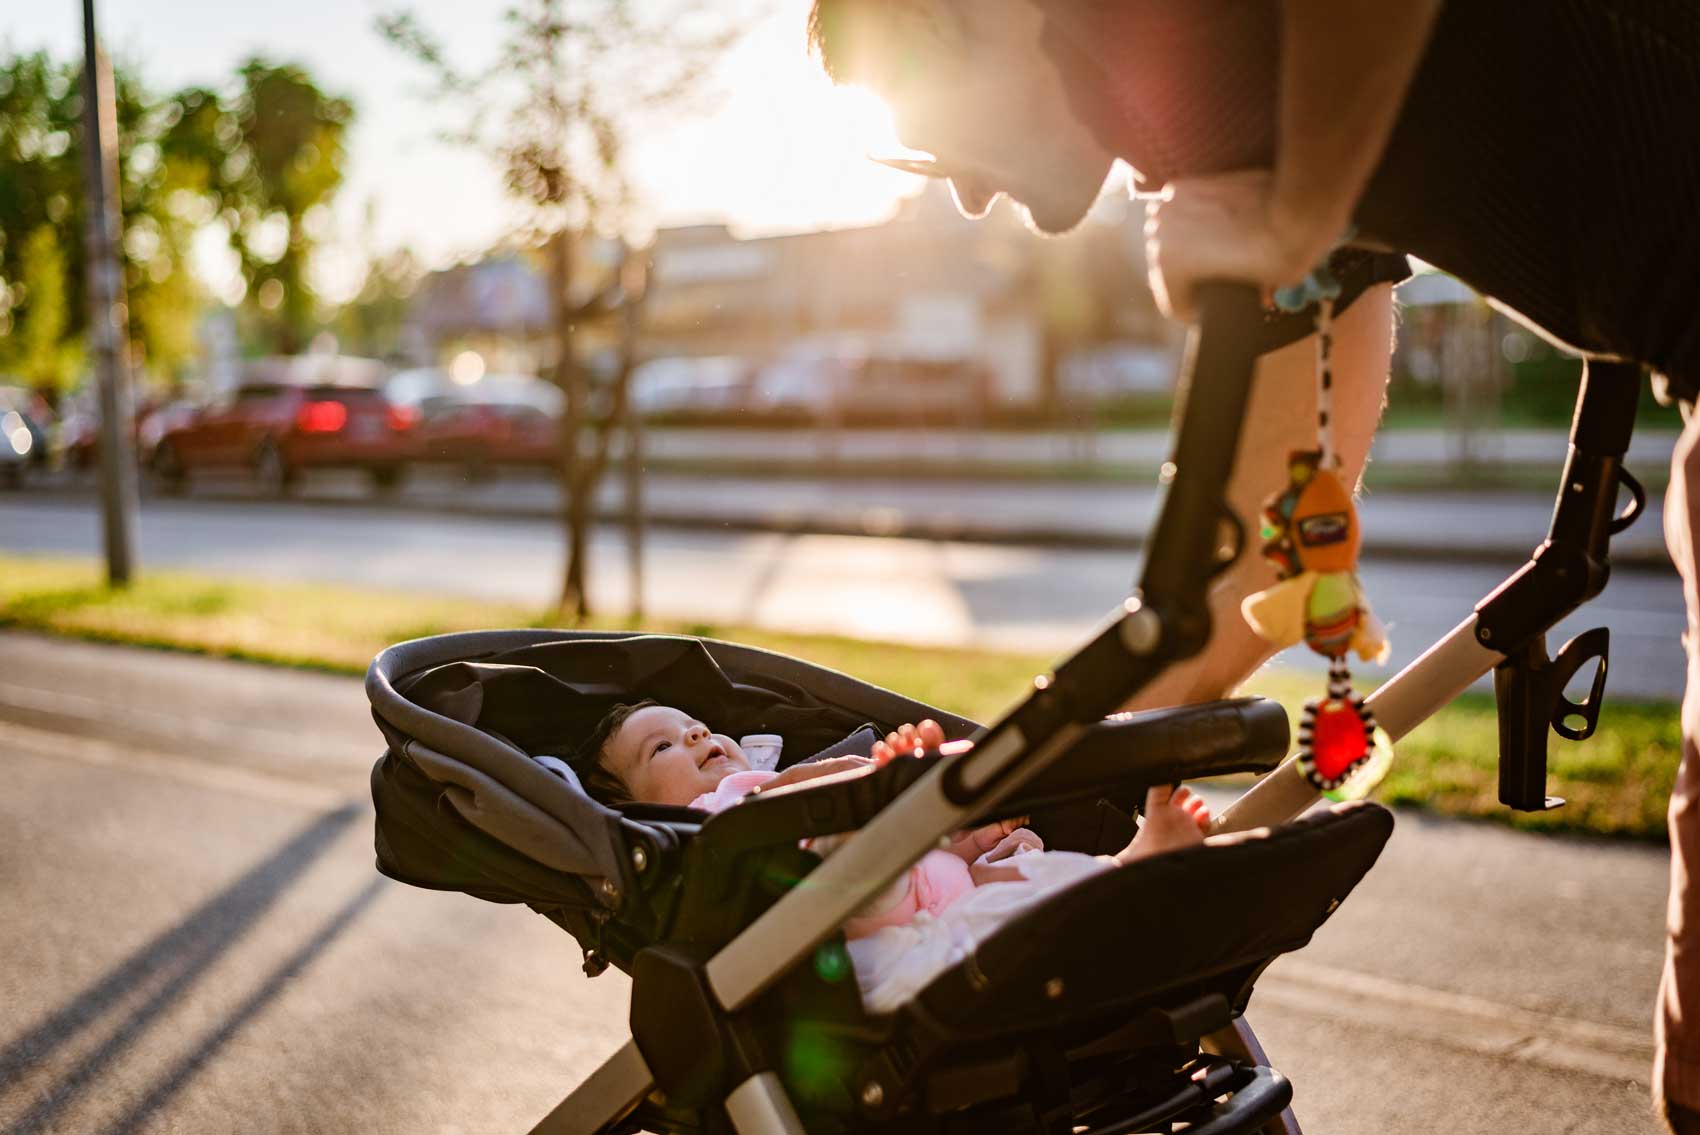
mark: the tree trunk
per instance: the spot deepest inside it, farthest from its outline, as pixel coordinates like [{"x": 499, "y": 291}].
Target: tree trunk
[{"x": 574, "y": 598}]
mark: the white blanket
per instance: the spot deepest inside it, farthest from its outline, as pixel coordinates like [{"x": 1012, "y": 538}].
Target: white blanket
[{"x": 897, "y": 962}]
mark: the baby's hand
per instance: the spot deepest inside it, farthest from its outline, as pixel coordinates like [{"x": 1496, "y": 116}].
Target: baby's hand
[
  {"x": 909, "y": 740},
  {"x": 970, "y": 845},
  {"x": 994, "y": 866},
  {"x": 1018, "y": 841}
]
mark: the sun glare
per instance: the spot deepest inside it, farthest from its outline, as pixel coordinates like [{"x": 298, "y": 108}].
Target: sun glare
[
  {"x": 786, "y": 152},
  {"x": 868, "y": 120}
]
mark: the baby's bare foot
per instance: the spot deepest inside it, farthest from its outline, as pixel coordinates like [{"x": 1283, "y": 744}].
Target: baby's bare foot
[
  {"x": 1173, "y": 820},
  {"x": 907, "y": 740}
]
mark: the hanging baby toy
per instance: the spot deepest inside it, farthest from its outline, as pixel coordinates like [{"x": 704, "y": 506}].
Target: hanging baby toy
[{"x": 1311, "y": 538}]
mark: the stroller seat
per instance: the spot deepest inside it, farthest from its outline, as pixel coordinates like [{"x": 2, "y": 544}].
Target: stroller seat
[{"x": 1112, "y": 1006}]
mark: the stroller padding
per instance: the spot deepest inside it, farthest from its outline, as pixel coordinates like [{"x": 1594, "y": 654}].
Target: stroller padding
[
  {"x": 547, "y": 697},
  {"x": 1167, "y": 923}
]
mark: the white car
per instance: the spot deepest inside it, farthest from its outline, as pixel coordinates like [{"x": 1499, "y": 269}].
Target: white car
[
  {"x": 17, "y": 448},
  {"x": 670, "y": 385},
  {"x": 23, "y": 436}
]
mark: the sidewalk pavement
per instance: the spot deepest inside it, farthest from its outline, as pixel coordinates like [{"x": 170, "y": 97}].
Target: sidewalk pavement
[{"x": 197, "y": 833}]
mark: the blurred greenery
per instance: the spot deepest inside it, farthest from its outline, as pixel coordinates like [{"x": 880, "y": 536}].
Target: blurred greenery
[
  {"x": 1617, "y": 783},
  {"x": 38, "y": 350},
  {"x": 259, "y": 160}
]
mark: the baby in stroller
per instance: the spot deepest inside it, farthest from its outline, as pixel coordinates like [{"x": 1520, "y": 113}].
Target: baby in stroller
[{"x": 930, "y": 917}]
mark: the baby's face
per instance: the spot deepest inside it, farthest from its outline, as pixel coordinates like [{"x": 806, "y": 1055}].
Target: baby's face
[{"x": 665, "y": 756}]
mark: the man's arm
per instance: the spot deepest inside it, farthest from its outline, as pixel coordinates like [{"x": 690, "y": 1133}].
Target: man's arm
[
  {"x": 1345, "y": 68},
  {"x": 1280, "y": 418}
]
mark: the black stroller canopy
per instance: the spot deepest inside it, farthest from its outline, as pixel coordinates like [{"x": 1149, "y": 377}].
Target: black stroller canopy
[
  {"x": 547, "y": 697},
  {"x": 491, "y": 821}
]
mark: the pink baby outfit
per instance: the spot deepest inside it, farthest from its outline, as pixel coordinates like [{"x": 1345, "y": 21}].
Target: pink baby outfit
[{"x": 938, "y": 880}]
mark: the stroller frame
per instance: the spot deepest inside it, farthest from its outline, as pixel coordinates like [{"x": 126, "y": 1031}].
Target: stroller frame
[{"x": 1167, "y": 620}]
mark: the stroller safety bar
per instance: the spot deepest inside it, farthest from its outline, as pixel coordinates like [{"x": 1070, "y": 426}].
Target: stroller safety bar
[{"x": 1242, "y": 735}]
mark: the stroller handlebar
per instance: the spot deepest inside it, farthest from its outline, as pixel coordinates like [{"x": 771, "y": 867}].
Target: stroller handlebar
[{"x": 1243, "y": 735}]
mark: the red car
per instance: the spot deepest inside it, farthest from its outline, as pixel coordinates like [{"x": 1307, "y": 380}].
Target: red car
[
  {"x": 79, "y": 433},
  {"x": 277, "y": 430},
  {"x": 482, "y": 434}
]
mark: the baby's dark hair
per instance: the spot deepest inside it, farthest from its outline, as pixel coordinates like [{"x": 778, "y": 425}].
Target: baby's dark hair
[{"x": 601, "y": 784}]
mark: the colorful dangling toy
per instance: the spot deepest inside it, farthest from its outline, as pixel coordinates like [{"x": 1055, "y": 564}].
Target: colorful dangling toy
[{"x": 1310, "y": 536}]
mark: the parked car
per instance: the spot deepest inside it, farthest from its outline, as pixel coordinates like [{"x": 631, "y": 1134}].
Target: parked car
[
  {"x": 801, "y": 385},
  {"x": 79, "y": 432},
  {"x": 681, "y": 385},
  {"x": 16, "y": 446},
  {"x": 482, "y": 434},
  {"x": 277, "y": 430},
  {"x": 1112, "y": 371},
  {"x": 22, "y": 408},
  {"x": 907, "y": 389}
]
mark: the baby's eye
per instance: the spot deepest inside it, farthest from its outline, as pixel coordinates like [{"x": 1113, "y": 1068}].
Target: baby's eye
[{"x": 662, "y": 745}]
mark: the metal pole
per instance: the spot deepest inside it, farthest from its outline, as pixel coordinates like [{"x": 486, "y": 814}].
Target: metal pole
[
  {"x": 109, "y": 321},
  {"x": 631, "y": 320},
  {"x": 633, "y": 470}
]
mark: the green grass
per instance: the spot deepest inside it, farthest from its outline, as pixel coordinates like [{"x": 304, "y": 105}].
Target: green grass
[{"x": 1617, "y": 783}]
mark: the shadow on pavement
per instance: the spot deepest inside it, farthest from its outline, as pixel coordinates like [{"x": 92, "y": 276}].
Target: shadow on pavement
[
  {"x": 169, "y": 966},
  {"x": 185, "y": 1069}
]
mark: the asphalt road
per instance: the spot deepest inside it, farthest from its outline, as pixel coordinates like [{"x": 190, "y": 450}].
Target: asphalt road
[
  {"x": 940, "y": 592},
  {"x": 195, "y": 940}
]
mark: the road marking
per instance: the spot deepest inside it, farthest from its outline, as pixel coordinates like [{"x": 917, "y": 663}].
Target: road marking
[
  {"x": 1457, "y": 1020},
  {"x": 47, "y": 744}
]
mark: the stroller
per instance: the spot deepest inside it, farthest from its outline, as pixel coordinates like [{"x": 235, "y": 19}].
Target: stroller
[{"x": 1113, "y": 1007}]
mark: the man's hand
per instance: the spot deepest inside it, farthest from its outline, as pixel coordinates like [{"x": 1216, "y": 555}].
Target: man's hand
[{"x": 1223, "y": 228}]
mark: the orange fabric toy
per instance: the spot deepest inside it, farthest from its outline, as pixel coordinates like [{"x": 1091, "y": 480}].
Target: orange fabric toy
[{"x": 1310, "y": 536}]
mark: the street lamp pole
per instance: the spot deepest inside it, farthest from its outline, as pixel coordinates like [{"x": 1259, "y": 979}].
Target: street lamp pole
[{"x": 109, "y": 320}]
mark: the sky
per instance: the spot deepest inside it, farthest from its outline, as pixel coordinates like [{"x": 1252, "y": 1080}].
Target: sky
[{"x": 783, "y": 151}]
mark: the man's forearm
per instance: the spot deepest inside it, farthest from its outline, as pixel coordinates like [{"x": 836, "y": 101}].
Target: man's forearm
[
  {"x": 1281, "y": 418},
  {"x": 1346, "y": 66}
]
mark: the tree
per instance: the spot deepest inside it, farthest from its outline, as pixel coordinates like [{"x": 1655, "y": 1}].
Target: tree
[
  {"x": 260, "y": 160},
  {"x": 40, "y": 353},
  {"x": 268, "y": 161},
  {"x": 372, "y": 322},
  {"x": 574, "y": 79},
  {"x": 41, "y": 150}
]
